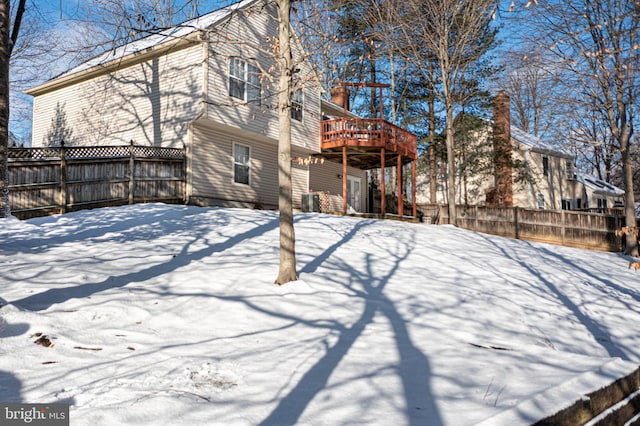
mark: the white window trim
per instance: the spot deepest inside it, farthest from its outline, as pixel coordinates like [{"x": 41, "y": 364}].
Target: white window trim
[
  {"x": 233, "y": 165},
  {"x": 245, "y": 81},
  {"x": 301, "y": 103}
]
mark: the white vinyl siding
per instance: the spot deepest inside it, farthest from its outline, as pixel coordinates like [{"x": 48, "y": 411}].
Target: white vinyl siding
[
  {"x": 299, "y": 183},
  {"x": 252, "y": 27},
  {"x": 324, "y": 177},
  {"x": 213, "y": 168},
  {"x": 151, "y": 103}
]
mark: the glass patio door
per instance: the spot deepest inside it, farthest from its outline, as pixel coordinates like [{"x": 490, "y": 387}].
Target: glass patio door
[{"x": 354, "y": 193}]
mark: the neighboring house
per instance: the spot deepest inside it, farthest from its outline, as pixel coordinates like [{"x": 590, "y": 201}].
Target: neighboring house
[
  {"x": 208, "y": 86},
  {"x": 536, "y": 176},
  {"x": 592, "y": 193}
]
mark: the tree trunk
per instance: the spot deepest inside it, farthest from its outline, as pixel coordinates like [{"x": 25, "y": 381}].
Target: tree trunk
[
  {"x": 287, "y": 271},
  {"x": 451, "y": 164},
  {"x": 433, "y": 175},
  {"x": 5, "y": 53},
  {"x": 631, "y": 239}
]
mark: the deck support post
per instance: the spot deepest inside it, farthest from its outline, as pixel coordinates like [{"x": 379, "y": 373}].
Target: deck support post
[
  {"x": 382, "y": 190},
  {"x": 344, "y": 179},
  {"x": 413, "y": 188},
  {"x": 400, "y": 191}
]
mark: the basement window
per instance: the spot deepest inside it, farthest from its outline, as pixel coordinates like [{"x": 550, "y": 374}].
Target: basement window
[{"x": 241, "y": 160}]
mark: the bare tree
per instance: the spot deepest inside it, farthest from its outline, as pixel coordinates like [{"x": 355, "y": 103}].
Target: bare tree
[
  {"x": 8, "y": 38},
  {"x": 455, "y": 34},
  {"x": 598, "y": 43},
  {"x": 533, "y": 82},
  {"x": 286, "y": 69}
]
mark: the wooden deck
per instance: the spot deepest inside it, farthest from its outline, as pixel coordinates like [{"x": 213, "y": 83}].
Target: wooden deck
[{"x": 364, "y": 139}]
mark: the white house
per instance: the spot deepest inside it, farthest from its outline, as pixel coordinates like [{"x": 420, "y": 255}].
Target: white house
[
  {"x": 537, "y": 175},
  {"x": 208, "y": 86}
]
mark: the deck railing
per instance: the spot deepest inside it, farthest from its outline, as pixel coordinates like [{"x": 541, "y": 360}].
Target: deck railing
[{"x": 368, "y": 132}]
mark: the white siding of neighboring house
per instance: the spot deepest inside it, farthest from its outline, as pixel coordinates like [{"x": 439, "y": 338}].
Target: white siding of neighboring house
[
  {"x": 150, "y": 102},
  {"x": 324, "y": 177},
  {"x": 594, "y": 193},
  {"x": 554, "y": 187}
]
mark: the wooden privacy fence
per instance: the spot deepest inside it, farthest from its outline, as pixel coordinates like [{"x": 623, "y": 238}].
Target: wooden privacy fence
[
  {"x": 566, "y": 227},
  {"x": 52, "y": 180}
]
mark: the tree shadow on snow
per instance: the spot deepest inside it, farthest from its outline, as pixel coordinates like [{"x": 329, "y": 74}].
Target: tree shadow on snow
[
  {"x": 599, "y": 333},
  {"x": 44, "y": 300},
  {"x": 413, "y": 367},
  {"x": 10, "y": 388}
]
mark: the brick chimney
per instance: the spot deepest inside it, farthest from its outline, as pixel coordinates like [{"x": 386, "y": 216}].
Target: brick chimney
[
  {"x": 502, "y": 194},
  {"x": 340, "y": 96}
]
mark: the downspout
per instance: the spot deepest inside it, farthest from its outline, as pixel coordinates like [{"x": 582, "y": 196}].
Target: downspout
[{"x": 188, "y": 192}]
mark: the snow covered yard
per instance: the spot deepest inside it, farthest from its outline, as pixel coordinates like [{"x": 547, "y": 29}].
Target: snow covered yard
[{"x": 168, "y": 315}]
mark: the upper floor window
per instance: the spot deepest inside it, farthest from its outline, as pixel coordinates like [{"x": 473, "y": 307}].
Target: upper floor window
[
  {"x": 570, "y": 169},
  {"x": 244, "y": 81},
  {"x": 241, "y": 158},
  {"x": 297, "y": 105},
  {"x": 541, "y": 203},
  {"x": 545, "y": 166}
]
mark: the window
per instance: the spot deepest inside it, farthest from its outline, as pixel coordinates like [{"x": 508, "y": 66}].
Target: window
[
  {"x": 244, "y": 81},
  {"x": 541, "y": 201},
  {"x": 296, "y": 105},
  {"x": 545, "y": 166},
  {"x": 602, "y": 203},
  {"x": 566, "y": 204},
  {"x": 570, "y": 174},
  {"x": 241, "y": 158}
]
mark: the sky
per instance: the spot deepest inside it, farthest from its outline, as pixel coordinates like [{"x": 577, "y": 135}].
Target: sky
[{"x": 159, "y": 314}]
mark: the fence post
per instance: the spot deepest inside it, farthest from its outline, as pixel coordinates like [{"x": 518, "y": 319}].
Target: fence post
[
  {"x": 562, "y": 224},
  {"x": 132, "y": 165},
  {"x": 62, "y": 201},
  {"x": 475, "y": 221},
  {"x": 516, "y": 225}
]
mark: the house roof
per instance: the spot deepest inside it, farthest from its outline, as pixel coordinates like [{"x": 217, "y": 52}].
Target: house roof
[
  {"x": 535, "y": 142},
  {"x": 148, "y": 43},
  {"x": 598, "y": 185},
  {"x": 333, "y": 110}
]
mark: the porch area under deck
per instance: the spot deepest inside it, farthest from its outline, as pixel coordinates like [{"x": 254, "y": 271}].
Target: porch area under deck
[{"x": 371, "y": 143}]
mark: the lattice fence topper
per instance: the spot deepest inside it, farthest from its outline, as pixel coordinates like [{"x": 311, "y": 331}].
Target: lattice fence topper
[
  {"x": 96, "y": 151},
  {"x": 157, "y": 152},
  {"x": 90, "y": 152},
  {"x": 34, "y": 153}
]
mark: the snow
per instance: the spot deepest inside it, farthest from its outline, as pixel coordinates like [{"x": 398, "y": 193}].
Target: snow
[{"x": 168, "y": 315}]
